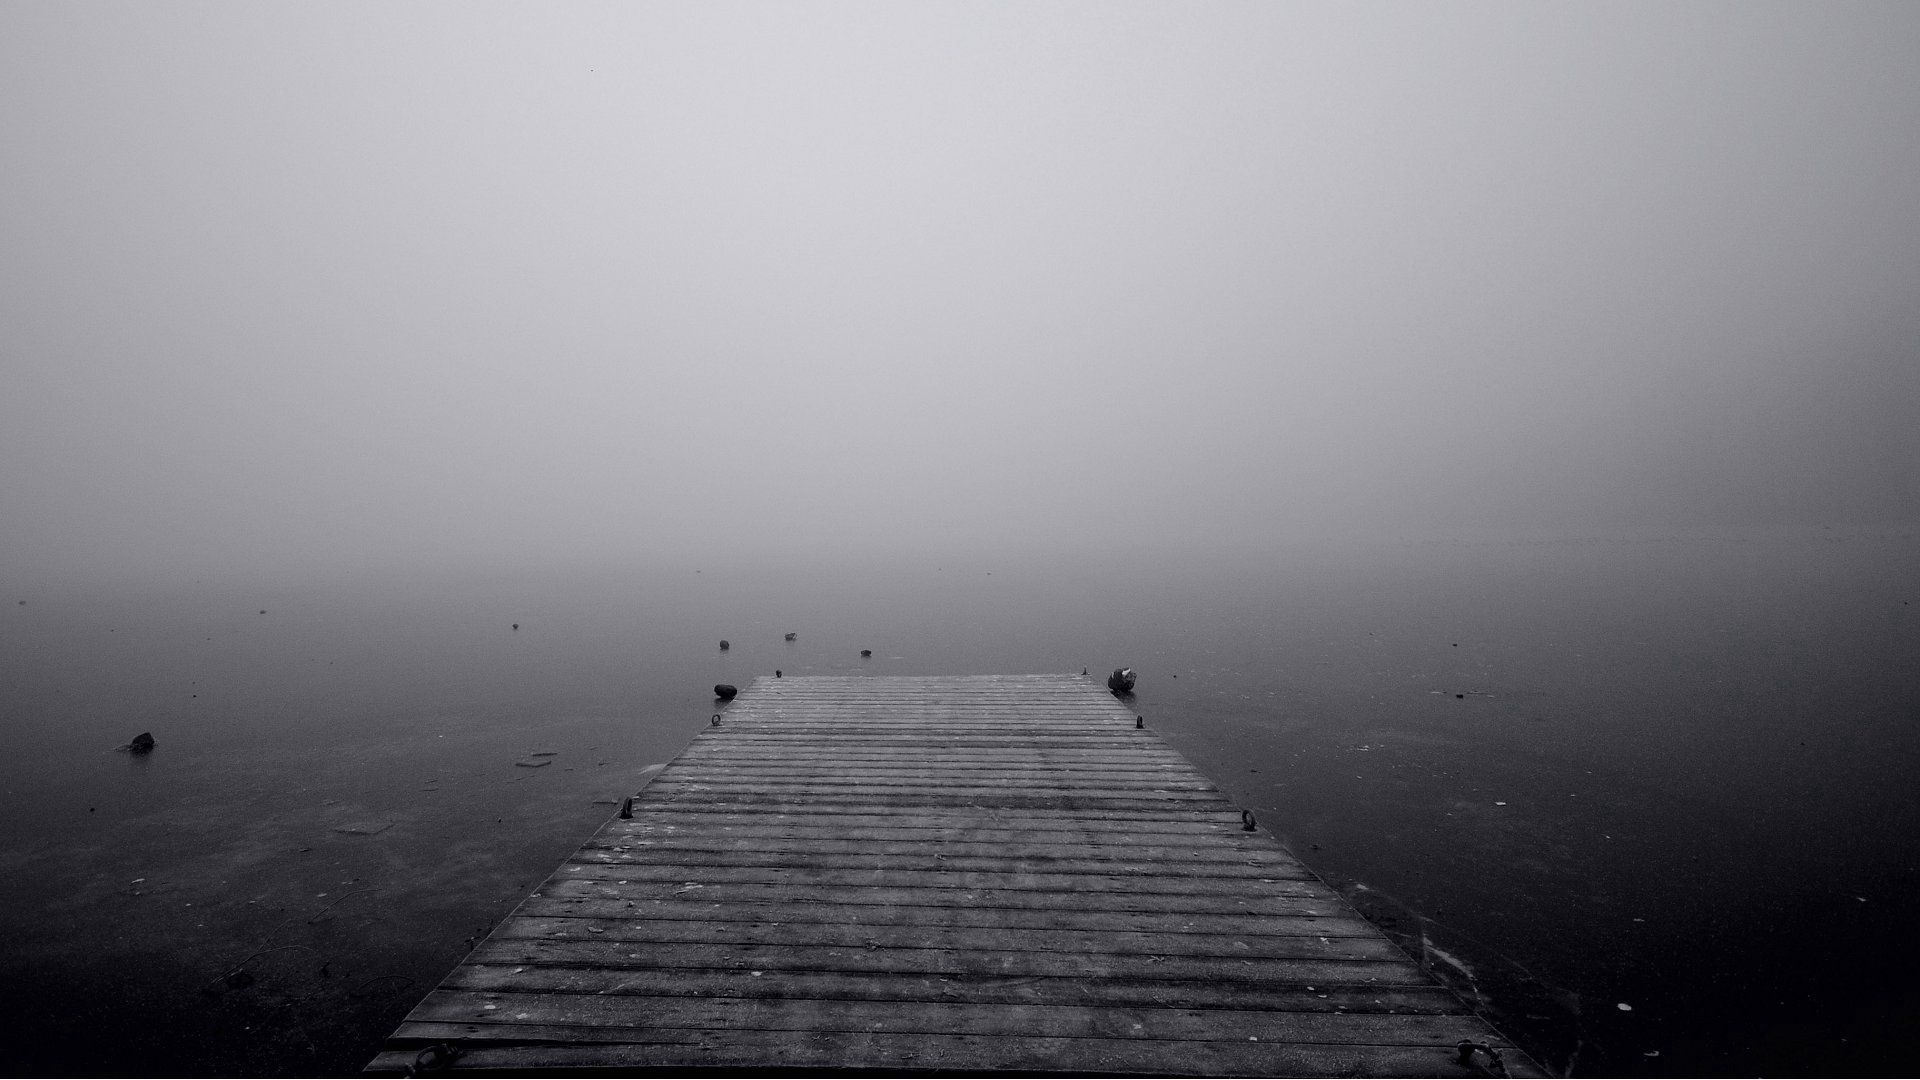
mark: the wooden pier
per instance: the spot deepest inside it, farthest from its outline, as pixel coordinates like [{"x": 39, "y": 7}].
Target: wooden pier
[{"x": 972, "y": 873}]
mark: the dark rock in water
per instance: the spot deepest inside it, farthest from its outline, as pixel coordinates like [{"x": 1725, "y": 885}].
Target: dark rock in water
[
  {"x": 141, "y": 744},
  {"x": 864, "y": 653},
  {"x": 1122, "y": 680},
  {"x": 790, "y": 637},
  {"x": 725, "y": 644},
  {"x": 725, "y": 691}
]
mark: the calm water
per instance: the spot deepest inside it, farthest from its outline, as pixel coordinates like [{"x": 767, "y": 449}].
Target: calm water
[{"x": 1649, "y": 801}]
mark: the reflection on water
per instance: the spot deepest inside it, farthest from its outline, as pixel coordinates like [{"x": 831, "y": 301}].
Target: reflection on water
[{"x": 1647, "y": 801}]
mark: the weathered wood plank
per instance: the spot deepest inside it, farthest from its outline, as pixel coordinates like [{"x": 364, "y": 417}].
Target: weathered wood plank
[
  {"x": 885, "y": 1052},
  {"x": 1111, "y": 846},
  {"x": 1274, "y": 939},
  {"x": 1115, "y": 800},
  {"x": 682, "y": 875},
  {"x": 978, "y": 989},
  {"x": 1020, "y": 859},
  {"x": 1279, "y": 899},
  {"x": 967, "y": 873},
  {"x": 982, "y": 782},
  {"x": 951, "y": 813},
  {"x": 1306, "y": 909},
  {"x": 1077, "y": 772},
  {"x": 984, "y": 825},
  {"x": 943, "y": 1017},
  {"x": 1056, "y": 1021},
  {"x": 1337, "y": 964}
]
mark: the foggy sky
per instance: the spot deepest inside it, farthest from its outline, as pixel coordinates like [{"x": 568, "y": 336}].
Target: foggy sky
[{"x": 352, "y": 284}]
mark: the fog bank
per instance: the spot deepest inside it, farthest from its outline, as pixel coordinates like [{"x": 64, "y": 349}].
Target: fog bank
[{"x": 374, "y": 285}]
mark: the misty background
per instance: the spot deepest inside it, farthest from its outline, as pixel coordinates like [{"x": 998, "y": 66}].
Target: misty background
[{"x": 371, "y": 286}]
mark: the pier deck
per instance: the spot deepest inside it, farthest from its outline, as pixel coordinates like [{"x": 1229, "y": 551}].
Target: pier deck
[{"x": 967, "y": 873}]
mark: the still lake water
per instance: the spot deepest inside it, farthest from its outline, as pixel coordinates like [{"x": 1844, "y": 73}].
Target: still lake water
[{"x": 1649, "y": 801}]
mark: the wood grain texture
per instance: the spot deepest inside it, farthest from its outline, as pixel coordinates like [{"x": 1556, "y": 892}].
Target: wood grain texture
[{"x": 969, "y": 873}]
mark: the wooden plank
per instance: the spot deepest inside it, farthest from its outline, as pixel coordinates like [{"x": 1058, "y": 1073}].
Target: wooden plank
[
  {"x": 968, "y": 873},
  {"x": 1011, "y": 795},
  {"x": 1337, "y": 964},
  {"x": 1055, "y": 1021},
  {"x": 771, "y": 848},
  {"x": 1280, "y": 898},
  {"x": 681, "y": 875},
  {"x": 923, "y": 986},
  {"x": 544, "y": 1048},
  {"x": 837, "y": 930},
  {"x": 949, "y": 813},
  {"x": 1104, "y": 844},
  {"x": 1017, "y": 859},
  {"x": 1314, "y": 943},
  {"x": 1171, "y": 787},
  {"x": 987, "y": 825},
  {"x": 1307, "y": 910},
  {"x": 807, "y": 759},
  {"x": 845, "y": 773}
]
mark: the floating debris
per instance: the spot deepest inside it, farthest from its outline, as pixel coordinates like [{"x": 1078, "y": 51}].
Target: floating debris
[{"x": 363, "y": 828}]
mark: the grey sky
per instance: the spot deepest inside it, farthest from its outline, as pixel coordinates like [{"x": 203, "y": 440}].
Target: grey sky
[{"x": 381, "y": 282}]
